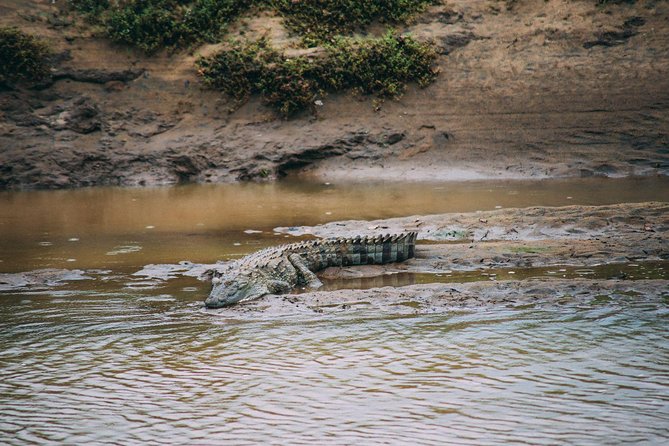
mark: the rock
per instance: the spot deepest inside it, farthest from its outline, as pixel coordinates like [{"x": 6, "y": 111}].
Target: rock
[
  {"x": 455, "y": 41},
  {"x": 80, "y": 115},
  {"x": 618, "y": 37},
  {"x": 98, "y": 76},
  {"x": 394, "y": 138},
  {"x": 611, "y": 38}
]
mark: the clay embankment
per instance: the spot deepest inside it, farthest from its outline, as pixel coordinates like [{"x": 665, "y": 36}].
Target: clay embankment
[{"x": 527, "y": 89}]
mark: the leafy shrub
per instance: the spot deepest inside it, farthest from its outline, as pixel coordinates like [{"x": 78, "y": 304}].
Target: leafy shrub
[
  {"x": 381, "y": 66},
  {"x": 292, "y": 85},
  {"x": 319, "y": 20},
  {"x": 238, "y": 71},
  {"x": 155, "y": 24},
  {"x": 207, "y": 19},
  {"x": 22, "y": 57},
  {"x": 92, "y": 7},
  {"x": 147, "y": 24}
]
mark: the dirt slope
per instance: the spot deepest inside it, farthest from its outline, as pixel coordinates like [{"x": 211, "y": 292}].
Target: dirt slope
[{"x": 527, "y": 88}]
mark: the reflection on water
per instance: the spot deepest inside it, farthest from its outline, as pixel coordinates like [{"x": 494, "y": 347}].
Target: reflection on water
[
  {"x": 626, "y": 271},
  {"x": 113, "y": 227},
  {"x": 97, "y": 354}
]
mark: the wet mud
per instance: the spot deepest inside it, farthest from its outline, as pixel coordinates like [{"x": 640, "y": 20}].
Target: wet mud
[{"x": 436, "y": 298}]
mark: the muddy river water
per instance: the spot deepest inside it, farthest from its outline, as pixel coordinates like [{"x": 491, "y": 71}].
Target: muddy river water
[{"x": 95, "y": 350}]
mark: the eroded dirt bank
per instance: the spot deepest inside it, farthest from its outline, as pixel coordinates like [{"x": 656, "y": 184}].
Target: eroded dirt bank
[{"x": 527, "y": 89}]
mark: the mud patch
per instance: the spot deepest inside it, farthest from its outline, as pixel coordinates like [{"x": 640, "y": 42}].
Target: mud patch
[
  {"x": 39, "y": 279},
  {"x": 439, "y": 298}
]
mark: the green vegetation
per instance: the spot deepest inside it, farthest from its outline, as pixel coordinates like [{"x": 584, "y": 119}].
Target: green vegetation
[
  {"x": 22, "y": 57},
  {"x": 319, "y": 20},
  {"x": 381, "y": 66},
  {"x": 615, "y": 2},
  {"x": 155, "y": 24},
  {"x": 92, "y": 7}
]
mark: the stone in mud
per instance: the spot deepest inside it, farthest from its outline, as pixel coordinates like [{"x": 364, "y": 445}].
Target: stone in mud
[
  {"x": 96, "y": 76},
  {"x": 80, "y": 115},
  {"x": 454, "y": 41}
]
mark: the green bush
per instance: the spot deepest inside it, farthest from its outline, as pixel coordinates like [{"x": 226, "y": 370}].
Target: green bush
[
  {"x": 238, "y": 71},
  {"x": 319, "y": 20},
  {"x": 92, "y": 7},
  {"x": 155, "y": 24},
  {"x": 207, "y": 19},
  {"x": 22, "y": 57},
  {"x": 146, "y": 24},
  {"x": 381, "y": 66},
  {"x": 291, "y": 85}
]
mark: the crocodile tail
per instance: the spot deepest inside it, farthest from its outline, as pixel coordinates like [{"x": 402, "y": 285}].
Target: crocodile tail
[
  {"x": 363, "y": 250},
  {"x": 387, "y": 248}
]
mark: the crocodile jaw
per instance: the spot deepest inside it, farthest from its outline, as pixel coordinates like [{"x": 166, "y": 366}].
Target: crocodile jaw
[{"x": 223, "y": 295}]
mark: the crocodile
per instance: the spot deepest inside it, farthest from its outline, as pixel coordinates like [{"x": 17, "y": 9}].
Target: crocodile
[{"x": 279, "y": 269}]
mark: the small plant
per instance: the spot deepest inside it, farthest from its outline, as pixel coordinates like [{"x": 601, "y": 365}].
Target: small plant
[
  {"x": 381, "y": 66},
  {"x": 319, "y": 20},
  {"x": 155, "y": 24},
  {"x": 239, "y": 70},
  {"x": 288, "y": 85},
  {"x": 22, "y": 57},
  {"x": 149, "y": 24},
  {"x": 92, "y": 7},
  {"x": 291, "y": 85}
]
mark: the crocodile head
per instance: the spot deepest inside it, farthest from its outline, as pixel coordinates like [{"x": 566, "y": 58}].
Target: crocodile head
[{"x": 228, "y": 291}]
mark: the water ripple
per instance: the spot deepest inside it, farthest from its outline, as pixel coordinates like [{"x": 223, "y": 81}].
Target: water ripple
[{"x": 137, "y": 367}]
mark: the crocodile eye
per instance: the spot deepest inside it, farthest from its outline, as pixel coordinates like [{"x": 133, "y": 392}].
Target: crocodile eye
[{"x": 228, "y": 282}]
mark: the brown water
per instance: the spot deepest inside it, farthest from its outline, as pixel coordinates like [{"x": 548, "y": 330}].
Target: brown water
[
  {"x": 93, "y": 353},
  {"x": 115, "y": 227}
]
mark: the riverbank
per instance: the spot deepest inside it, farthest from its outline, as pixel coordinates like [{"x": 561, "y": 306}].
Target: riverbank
[{"x": 526, "y": 90}]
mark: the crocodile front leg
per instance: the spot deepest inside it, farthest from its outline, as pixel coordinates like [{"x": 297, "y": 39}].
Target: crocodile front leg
[
  {"x": 278, "y": 286},
  {"x": 308, "y": 277}
]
